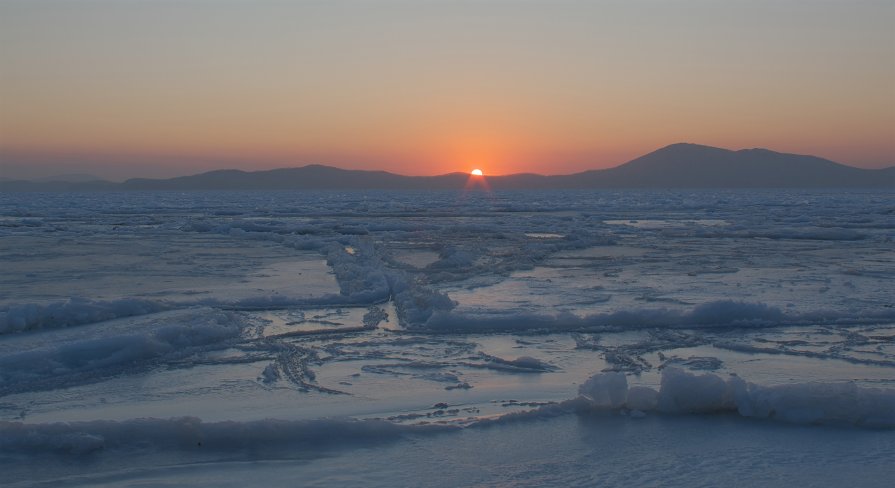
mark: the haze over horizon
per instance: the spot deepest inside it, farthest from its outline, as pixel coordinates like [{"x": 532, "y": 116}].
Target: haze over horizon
[{"x": 160, "y": 89}]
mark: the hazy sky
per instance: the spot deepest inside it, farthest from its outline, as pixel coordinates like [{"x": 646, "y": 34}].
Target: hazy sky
[{"x": 129, "y": 87}]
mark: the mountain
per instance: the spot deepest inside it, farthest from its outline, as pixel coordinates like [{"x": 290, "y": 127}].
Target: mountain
[
  {"x": 312, "y": 177},
  {"x": 697, "y": 166},
  {"x": 68, "y": 178},
  {"x": 674, "y": 166}
]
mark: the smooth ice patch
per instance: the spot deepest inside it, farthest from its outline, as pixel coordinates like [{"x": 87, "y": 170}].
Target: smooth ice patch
[
  {"x": 161, "y": 266},
  {"x": 305, "y": 321}
]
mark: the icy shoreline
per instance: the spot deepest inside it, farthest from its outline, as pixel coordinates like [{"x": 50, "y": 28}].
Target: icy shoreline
[
  {"x": 853, "y": 424},
  {"x": 680, "y": 393},
  {"x": 296, "y": 325}
]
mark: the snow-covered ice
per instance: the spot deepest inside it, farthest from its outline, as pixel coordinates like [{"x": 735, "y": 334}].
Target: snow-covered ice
[{"x": 530, "y": 338}]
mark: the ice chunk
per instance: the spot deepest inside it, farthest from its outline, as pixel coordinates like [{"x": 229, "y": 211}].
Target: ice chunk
[
  {"x": 819, "y": 403},
  {"x": 529, "y": 362},
  {"x": 107, "y": 350},
  {"x": 804, "y": 403},
  {"x": 735, "y": 313},
  {"x": 683, "y": 392},
  {"x": 75, "y": 311},
  {"x": 720, "y": 313},
  {"x": 520, "y": 364},
  {"x": 606, "y": 390},
  {"x": 642, "y": 398},
  {"x": 270, "y": 374}
]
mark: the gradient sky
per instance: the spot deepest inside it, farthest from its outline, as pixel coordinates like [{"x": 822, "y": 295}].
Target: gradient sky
[{"x": 127, "y": 87}]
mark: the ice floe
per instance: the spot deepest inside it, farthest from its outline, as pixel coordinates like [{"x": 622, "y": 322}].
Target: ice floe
[{"x": 291, "y": 322}]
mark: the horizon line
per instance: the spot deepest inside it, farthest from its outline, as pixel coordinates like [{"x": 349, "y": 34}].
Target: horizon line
[{"x": 75, "y": 172}]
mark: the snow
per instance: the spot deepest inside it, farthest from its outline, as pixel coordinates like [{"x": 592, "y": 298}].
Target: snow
[
  {"x": 112, "y": 348},
  {"x": 606, "y": 390},
  {"x": 75, "y": 311},
  {"x": 682, "y": 392},
  {"x": 582, "y": 332},
  {"x": 721, "y": 313}
]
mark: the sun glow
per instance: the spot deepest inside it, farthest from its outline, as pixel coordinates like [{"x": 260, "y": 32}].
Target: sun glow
[{"x": 477, "y": 179}]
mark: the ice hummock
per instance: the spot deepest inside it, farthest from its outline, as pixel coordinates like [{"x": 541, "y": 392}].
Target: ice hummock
[
  {"x": 680, "y": 393},
  {"x": 683, "y": 392}
]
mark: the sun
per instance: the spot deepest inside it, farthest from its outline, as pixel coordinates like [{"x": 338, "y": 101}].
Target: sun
[{"x": 477, "y": 180}]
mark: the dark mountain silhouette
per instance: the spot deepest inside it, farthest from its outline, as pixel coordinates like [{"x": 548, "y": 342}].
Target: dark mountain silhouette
[
  {"x": 696, "y": 166},
  {"x": 68, "y": 178},
  {"x": 674, "y": 166},
  {"x": 310, "y": 177}
]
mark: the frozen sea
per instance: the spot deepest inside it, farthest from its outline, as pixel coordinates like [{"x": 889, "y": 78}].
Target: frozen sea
[{"x": 574, "y": 338}]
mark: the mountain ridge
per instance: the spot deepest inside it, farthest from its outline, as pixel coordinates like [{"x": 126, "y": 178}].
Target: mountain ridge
[{"x": 680, "y": 165}]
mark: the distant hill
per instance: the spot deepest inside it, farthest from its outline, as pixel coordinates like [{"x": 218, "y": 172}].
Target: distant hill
[
  {"x": 674, "y": 166},
  {"x": 696, "y": 166},
  {"x": 68, "y": 178},
  {"x": 312, "y": 177}
]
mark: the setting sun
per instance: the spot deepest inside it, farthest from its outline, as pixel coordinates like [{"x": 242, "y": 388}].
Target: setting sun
[{"x": 476, "y": 172}]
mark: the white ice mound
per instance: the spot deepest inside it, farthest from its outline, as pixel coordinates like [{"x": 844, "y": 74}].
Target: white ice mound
[
  {"x": 103, "y": 349},
  {"x": 606, "y": 390},
  {"x": 681, "y": 392},
  {"x": 713, "y": 314},
  {"x": 819, "y": 403},
  {"x": 528, "y": 362},
  {"x": 521, "y": 364},
  {"x": 642, "y": 398},
  {"x": 76, "y": 311}
]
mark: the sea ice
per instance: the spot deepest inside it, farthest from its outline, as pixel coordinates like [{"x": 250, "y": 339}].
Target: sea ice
[{"x": 294, "y": 324}]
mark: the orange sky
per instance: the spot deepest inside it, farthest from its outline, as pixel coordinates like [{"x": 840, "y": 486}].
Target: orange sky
[{"x": 426, "y": 87}]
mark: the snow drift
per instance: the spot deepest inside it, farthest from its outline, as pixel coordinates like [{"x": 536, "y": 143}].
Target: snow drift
[
  {"x": 75, "y": 311},
  {"x": 681, "y": 392},
  {"x": 110, "y": 350},
  {"x": 717, "y": 313}
]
